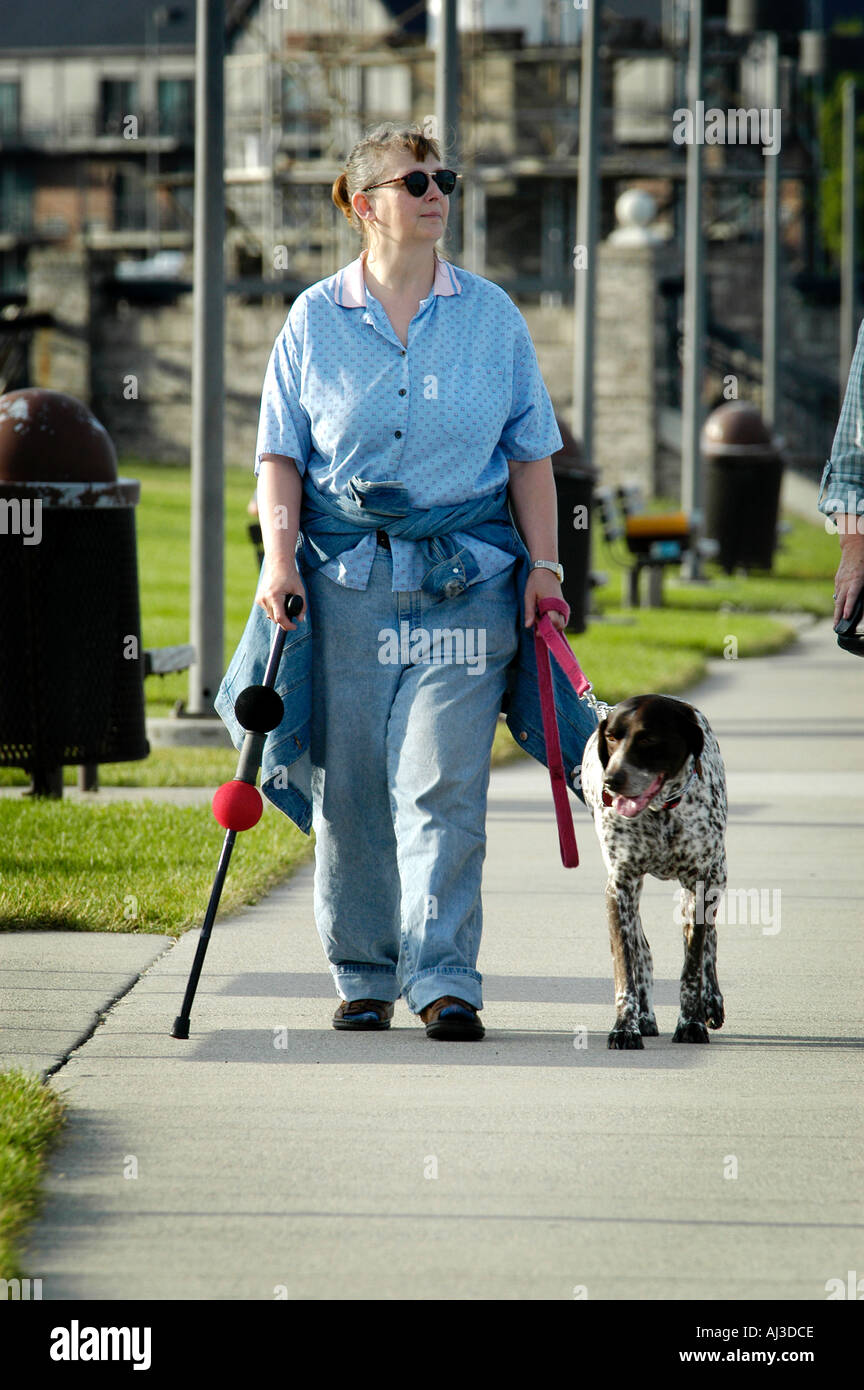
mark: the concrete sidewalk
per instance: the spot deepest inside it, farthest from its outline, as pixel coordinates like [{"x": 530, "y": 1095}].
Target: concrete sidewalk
[{"x": 270, "y": 1152}]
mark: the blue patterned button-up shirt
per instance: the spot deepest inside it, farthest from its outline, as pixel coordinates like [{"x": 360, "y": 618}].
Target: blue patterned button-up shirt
[
  {"x": 342, "y": 396},
  {"x": 842, "y": 487}
]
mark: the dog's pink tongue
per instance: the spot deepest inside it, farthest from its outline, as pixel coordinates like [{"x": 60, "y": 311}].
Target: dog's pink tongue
[{"x": 632, "y": 805}]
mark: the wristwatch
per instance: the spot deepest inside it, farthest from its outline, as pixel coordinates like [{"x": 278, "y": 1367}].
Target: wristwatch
[{"x": 557, "y": 570}]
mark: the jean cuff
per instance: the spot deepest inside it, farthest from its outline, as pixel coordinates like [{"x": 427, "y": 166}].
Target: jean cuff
[
  {"x": 354, "y": 980},
  {"x": 427, "y": 985}
]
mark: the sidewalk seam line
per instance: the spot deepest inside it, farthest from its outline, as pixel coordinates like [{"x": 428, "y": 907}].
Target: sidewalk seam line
[{"x": 103, "y": 1012}]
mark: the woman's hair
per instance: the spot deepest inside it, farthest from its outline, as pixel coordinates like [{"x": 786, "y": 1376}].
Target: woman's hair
[{"x": 368, "y": 163}]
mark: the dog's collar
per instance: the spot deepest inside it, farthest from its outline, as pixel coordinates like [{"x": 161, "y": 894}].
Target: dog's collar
[
  {"x": 673, "y": 800},
  {"x": 676, "y": 796}
]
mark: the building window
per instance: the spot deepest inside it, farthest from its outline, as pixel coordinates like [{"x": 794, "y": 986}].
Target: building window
[
  {"x": 10, "y": 109},
  {"x": 16, "y": 200},
  {"x": 176, "y": 106},
  {"x": 295, "y": 103},
  {"x": 644, "y": 96},
  {"x": 118, "y": 98},
  {"x": 130, "y": 212},
  {"x": 387, "y": 91},
  {"x": 304, "y": 117}
]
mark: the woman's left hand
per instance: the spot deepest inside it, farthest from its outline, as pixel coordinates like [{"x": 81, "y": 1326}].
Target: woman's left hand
[
  {"x": 542, "y": 584},
  {"x": 849, "y": 579}
]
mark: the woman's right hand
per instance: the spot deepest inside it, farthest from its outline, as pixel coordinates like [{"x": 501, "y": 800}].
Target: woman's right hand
[{"x": 277, "y": 582}]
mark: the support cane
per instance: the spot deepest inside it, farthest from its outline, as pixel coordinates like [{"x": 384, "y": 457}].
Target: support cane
[{"x": 237, "y": 805}]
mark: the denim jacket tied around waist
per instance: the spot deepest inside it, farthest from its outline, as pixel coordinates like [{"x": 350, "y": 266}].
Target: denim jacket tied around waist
[{"x": 329, "y": 525}]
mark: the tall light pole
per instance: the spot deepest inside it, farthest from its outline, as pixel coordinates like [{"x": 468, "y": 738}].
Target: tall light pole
[
  {"x": 771, "y": 243},
  {"x": 585, "y": 251},
  {"x": 207, "y": 602},
  {"x": 694, "y": 289},
  {"x": 447, "y": 98},
  {"x": 155, "y": 20},
  {"x": 152, "y": 22}
]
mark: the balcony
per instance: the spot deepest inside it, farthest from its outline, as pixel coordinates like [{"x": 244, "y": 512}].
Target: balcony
[{"x": 79, "y": 132}]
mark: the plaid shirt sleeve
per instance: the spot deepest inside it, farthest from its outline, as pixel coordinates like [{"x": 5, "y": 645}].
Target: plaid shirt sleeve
[{"x": 842, "y": 487}]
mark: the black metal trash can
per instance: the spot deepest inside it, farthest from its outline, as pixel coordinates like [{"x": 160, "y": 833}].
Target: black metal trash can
[
  {"x": 744, "y": 471},
  {"x": 71, "y": 665},
  {"x": 574, "y": 484}
]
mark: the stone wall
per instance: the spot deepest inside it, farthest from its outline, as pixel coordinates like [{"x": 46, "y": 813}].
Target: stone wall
[
  {"x": 132, "y": 363},
  {"x": 153, "y": 345},
  {"x": 59, "y": 282},
  {"x": 628, "y": 325}
]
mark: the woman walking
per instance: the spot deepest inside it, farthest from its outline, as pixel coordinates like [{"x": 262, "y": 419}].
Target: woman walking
[{"x": 402, "y": 410}]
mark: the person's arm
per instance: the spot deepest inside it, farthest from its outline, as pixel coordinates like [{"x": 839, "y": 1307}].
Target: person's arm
[
  {"x": 280, "y": 490},
  {"x": 842, "y": 488},
  {"x": 535, "y": 505},
  {"x": 849, "y": 579}
]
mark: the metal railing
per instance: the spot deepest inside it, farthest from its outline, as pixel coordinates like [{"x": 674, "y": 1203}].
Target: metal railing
[{"x": 76, "y": 127}]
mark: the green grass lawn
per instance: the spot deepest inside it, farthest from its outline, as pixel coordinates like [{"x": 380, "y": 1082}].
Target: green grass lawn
[
  {"x": 31, "y": 1115},
  {"x": 165, "y": 767},
  {"x": 133, "y": 866}
]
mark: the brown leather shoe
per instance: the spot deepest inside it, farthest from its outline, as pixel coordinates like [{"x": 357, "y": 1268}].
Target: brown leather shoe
[
  {"x": 362, "y": 1014},
  {"x": 453, "y": 1020}
]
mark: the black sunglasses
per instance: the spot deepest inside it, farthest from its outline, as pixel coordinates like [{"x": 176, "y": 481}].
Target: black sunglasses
[{"x": 418, "y": 181}]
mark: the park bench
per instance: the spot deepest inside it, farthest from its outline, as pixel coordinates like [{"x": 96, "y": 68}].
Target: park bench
[{"x": 653, "y": 540}]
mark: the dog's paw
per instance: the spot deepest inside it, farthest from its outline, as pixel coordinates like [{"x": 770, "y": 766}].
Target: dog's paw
[
  {"x": 714, "y": 1011},
  {"x": 625, "y": 1038},
  {"x": 690, "y": 1032},
  {"x": 648, "y": 1026}
]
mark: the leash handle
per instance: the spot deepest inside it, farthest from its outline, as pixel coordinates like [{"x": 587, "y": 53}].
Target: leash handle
[{"x": 548, "y": 639}]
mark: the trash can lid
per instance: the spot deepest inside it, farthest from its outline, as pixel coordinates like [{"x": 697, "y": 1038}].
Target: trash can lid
[
  {"x": 737, "y": 428},
  {"x": 52, "y": 437}
]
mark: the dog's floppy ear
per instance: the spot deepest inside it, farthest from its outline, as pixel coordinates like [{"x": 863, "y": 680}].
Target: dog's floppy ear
[
  {"x": 602, "y": 745},
  {"x": 695, "y": 738}
]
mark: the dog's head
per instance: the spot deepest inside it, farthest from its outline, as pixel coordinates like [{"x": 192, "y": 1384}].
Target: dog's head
[{"x": 643, "y": 745}]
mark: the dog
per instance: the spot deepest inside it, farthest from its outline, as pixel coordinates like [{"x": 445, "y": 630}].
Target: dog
[{"x": 653, "y": 779}]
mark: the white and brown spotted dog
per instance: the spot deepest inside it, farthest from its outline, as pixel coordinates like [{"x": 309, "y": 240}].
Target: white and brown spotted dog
[{"x": 654, "y": 781}]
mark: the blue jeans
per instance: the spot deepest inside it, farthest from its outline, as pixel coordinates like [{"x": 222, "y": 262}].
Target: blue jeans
[{"x": 405, "y": 698}]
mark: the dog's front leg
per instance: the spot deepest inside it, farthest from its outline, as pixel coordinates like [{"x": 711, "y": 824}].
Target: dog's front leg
[
  {"x": 711, "y": 996},
  {"x": 691, "y": 1020},
  {"x": 647, "y": 1020},
  {"x": 625, "y": 937}
]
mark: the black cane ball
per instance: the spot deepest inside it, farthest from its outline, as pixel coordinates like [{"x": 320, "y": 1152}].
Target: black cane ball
[{"x": 259, "y": 708}]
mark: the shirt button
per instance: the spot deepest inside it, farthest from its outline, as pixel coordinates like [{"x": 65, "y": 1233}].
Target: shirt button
[
  {"x": 401, "y": 390},
  {"x": 398, "y": 434},
  {"x": 403, "y": 352}
]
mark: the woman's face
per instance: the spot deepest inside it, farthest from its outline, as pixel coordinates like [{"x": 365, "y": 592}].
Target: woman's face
[{"x": 394, "y": 214}]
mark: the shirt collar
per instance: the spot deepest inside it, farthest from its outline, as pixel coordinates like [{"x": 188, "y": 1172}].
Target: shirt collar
[{"x": 351, "y": 287}]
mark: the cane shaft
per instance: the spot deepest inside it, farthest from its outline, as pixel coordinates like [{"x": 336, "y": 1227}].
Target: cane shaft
[
  {"x": 182, "y": 1021},
  {"x": 247, "y": 771},
  {"x": 249, "y": 761}
]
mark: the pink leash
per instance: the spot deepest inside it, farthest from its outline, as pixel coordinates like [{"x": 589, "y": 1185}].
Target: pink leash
[{"x": 548, "y": 639}]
